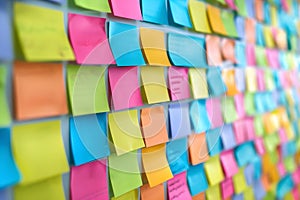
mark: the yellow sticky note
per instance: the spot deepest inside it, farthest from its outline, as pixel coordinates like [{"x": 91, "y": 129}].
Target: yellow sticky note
[
  {"x": 153, "y": 47},
  {"x": 39, "y": 151},
  {"x": 48, "y": 189},
  {"x": 274, "y": 20},
  {"x": 213, "y": 170},
  {"x": 156, "y": 165},
  {"x": 99, "y": 5},
  {"x": 248, "y": 194},
  {"x": 213, "y": 193},
  {"x": 154, "y": 84},
  {"x": 239, "y": 182},
  {"x": 251, "y": 79},
  {"x": 125, "y": 131},
  {"x": 198, "y": 15},
  {"x": 41, "y": 33},
  {"x": 132, "y": 195},
  {"x": 198, "y": 83},
  {"x": 268, "y": 37}
]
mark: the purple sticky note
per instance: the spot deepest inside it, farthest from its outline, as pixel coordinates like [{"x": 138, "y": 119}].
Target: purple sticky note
[
  {"x": 249, "y": 174},
  {"x": 240, "y": 79},
  {"x": 239, "y": 105},
  {"x": 250, "y": 55},
  {"x": 179, "y": 120},
  {"x": 227, "y": 188},
  {"x": 259, "y": 191},
  {"x": 240, "y": 131},
  {"x": 240, "y": 26},
  {"x": 6, "y": 49},
  {"x": 228, "y": 163},
  {"x": 5, "y": 194},
  {"x": 227, "y": 137},
  {"x": 214, "y": 110},
  {"x": 250, "y": 8},
  {"x": 260, "y": 79}
]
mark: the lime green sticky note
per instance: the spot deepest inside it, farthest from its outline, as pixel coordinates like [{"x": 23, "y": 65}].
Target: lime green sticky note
[
  {"x": 124, "y": 173},
  {"x": 132, "y": 195},
  {"x": 248, "y": 194},
  {"x": 290, "y": 59},
  {"x": 39, "y": 151},
  {"x": 87, "y": 89},
  {"x": 213, "y": 170},
  {"x": 271, "y": 141},
  {"x": 289, "y": 164},
  {"x": 97, "y": 5},
  {"x": 228, "y": 21},
  {"x": 293, "y": 39},
  {"x": 241, "y": 7},
  {"x": 125, "y": 131},
  {"x": 249, "y": 103},
  {"x": 239, "y": 182},
  {"x": 213, "y": 193},
  {"x": 228, "y": 109},
  {"x": 5, "y": 118},
  {"x": 258, "y": 125},
  {"x": 261, "y": 57},
  {"x": 269, "y": 80},
  {"x": 274, "y": 157},
  {"x": 48, "y": 189},
  {"x": 41, "y": 33},
  {"x": 270, "y": 195}
]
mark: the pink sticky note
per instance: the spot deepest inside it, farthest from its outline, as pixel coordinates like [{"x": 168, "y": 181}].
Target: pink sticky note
[
  {"x": 178, "y": 83},
  {"x": 124, "y": 87},
  {"x": 127, "y": 9},
  {"x": 260, "y": 75},
  {"x": 239, "y": 105},
  {"x": 89, "y": 40},
  {"x": 259, "y": 146},
  {"x": 296, "y": 193},
  {"x": 214, "y": 110},
  {"x": 282, "y": 135},
  {"x": 231, "y": 4},
  {"x": 284, "y": 81},
  {"x": 249, "y": 127},
  {"x": 285, "y": 5},
  {"x": 89, "y": 181},
  {"x": 239, "y": 130},
  {"x": 227, "y": 188},
  {"x": 177, "y": 187},
  {"x": 228, "y": 163},
  {"x": 273, "y": 59},
  {"x": 281, "y": 168},
  {"x": 296, "y": 176},
  {"x": 250, "y": 55}
]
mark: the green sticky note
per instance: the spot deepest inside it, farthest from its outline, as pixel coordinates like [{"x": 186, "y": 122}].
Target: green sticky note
[
  {"x": 228, "y": 22},
  {"x": 5, "y": 118},
  {"x": 271, "y": 141},
  {"x": 258, "y": 125},
  {"x": 289, "y": 164},
  {"x": 288, "y": 196},
  {"x": 248, "y": 194},
  {"x": 239, "y": 182},
  {"x": 293, "y": 40},
  {"x": 249, "y": 103},
  {"x": 274, "y": 156},
  {"x": 270, "y": 196},
  {"x": 124, "y": 173},
  {"x": 269, "y": 80},
  {"x": 87, "y": 89},
  {"x": 261, "y": 57},
  {"x": 97, "y": 5},
  {"x": 241, "y": 7},
  {"x": 213, "y": 170},
  {"x": 132, "y": 195},
  {"x": 213, "y": 193},
  {"x": 228, "y": 109},
  {"x": 290, "y": 60}
]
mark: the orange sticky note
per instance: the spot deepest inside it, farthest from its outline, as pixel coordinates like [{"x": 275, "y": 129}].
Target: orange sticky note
[
  {"x": 153, "y": 124},
  {"x": 198, "y": 152},
  {"x": 213, "y": 50},
  {"x": 228, "y": 50},
  {"x": 200, "y": 196},
  {"x": 250, "y": 30},
  {"x": 281, "y": 38},
  {"x": 228, "y": 76},
  {"x": 259, "y": 10},
  {"x": 156, "y": 165},
  {"x": 39, "y": 90},
  {"x": 153, "y": 47},
  {"x": 149, "y": 193},
  {"x": 198, "y": 15},
  {"x": 214, "y": 16}
]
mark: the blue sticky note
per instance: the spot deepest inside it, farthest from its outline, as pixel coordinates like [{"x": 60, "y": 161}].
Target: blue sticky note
[
  {"x": 257, "y": 167},
  {"x": 186, "y": 51},
  {"x": 259, "y": 191},
  {"x": 6, "y": 43},
  {"x": 260, "y": 41},
  {"x": 214, "y": 142},
  {"x": 284, "y": 186},
  {"x": 177, "y": 155},
  {"x": 249, "y": 174},
  {"x": 155, "y": 11},
  {"x": 259, "y": 102},
  {"x": 215, "y": 82},
  {"x": 250, "y": 8},
  {"x": 240, "y": 26},
  {"x": 179, "y": 119},
  {"x": 288, "y": 148},
  {"x": 199, "y": 116},
  {"x": 240, "y": 53},
  {"x": 9, "y": 174},
  {"x": 125, "y": 45},
  {"x": 196, "y": 179},
  {"x": 277, "y": 79},
  {"x": 244, "y": 153},
  {"x": 6, "y": 194},
  {"x": 88, "y": 135},
  {"x": 180, "y": 13},
  {"x": 267, "y": 13},
  {"x": 227, "y": 136}
]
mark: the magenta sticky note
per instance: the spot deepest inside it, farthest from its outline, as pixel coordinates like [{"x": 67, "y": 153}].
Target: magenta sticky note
[
  {"x": 260, "y": 75},
  {"x": 231, "y": 4},
  {"x": 239, "y": 130},
  {"x": 89, "y": 40},
  {"x": 177, "y": 187},
  {"x": 214, "y": 110},
  {"x": 228, "y": 163},
  {"x": 296, "y": 193},
  {"x": 124, "y": 87},
  {"x": 282, "y": 135},
  {"x": 250, "y": 55},
  {"x": 178, "y": 83},
  {"x": 129, "y": 9},
  {"x": 281, "y": 168},
  {"x": 227, "y": 188},
  {"x": 89, "y": 181},
  {"x": 249, "y": 128},
  {"x": 259, "y": 146},
  {"x": 273, "y": 59},
  {"x": 296, "y": 176},
  {"x": 239, "y": 105}
]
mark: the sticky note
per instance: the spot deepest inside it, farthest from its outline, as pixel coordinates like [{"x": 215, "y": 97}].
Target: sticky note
[
  {"x": 87, "y": 90},
  {"x": 251, "y": 79},
  {"x": 179, "y": 120},
  {"x": 199, "y": 196},
  {"x": 89, "y": 40},
  {"x": 40, "y": 161},
  {"x": 250, "y": 30},
  {"x": 124, "y": 87},
  {"x": 156, "y": 164},
  {"x": 92, "y": 174},
  {"x": 154, "y": 84},
  {"x": 241, "y": 8},
  {"x": 198, "y": 151},
  {"x": 269, "y": 80},
  {"x": 178, "y": 80},
  {"x": 196, "y": 178},
  {"x": 250, "y": 55},
  {"x": 249, "y": 174},
  {"x": 215, "y": 82},
  {"x": 155, "y": 12},
  {"x": 228, "y": 50},
  {"x": 261, "y": 57},
  {"x": 33, "y": 82},
  {"x": 125, "y": 131},
  {"x": 249, "y": 103},
  {"x": 186, "y": 51},
  {"x": 6, "y": 45},
  {"x": 9, "y": 172},
  {"x": 213, "y": 50},
  {"x": 177, "y": 155},
  {"x": 213, "y": 193},
  {"x": 48, "y": 189},
  {"x": 149, "y": 193},
  {"x": 5, "y": 194},
  {"x": 129, "y": 9},
  {"x": 197, "y": 11},
  {"x": 268, "y": 37},
  {"x": 228, "y": 108},
  {"x": 231, "y": 4},
  {"x": 177, "y": 187},
  {"x": 273, "y": 58},
  {"x": 240, "y": 53},
  {"x": 240, "y": 132},
  {"x": 5, "y": 118},
  {"x": 239, "y": 182},
  {"x": 240, "y": 26},
  {"x": 198, "y": 83},
  {"x": 244, "y": 153},
  {"x": 213, "y": 170},
  {"x": 126, "y": 53},
  {"x": 260, "y": 79},
  {"x": 227, "y": 136},
  {"x": 214, "y": 110},
  {"x": 32, "y": 32},
  {"x": 88, "y": 138},
  {"x": 121, "y": 169},
  {"x": 229, "y": 164},
  {"x": 153, "y": 125},
  {"x": 179, "y": 12},
  {"x": 228, "y": 22},
  {"x": 215, "y": 20},
  {"x": 214, "y": 142},
  {"x": 259, "y": 10},
  {"x": 228, "y": 76},
  {"x": 100, "y": 6},
  {"x": 199, "y": 116},
  {"x": 227, "y": 188},
  {"x": 281, "y": 39}
]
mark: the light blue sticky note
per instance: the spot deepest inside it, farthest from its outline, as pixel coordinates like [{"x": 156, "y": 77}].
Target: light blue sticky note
[
  {"x": 267, "y": 13},
  {"x": 282, "y": 60},
  {"x": 125, "y": 45},
  {"x": 277, "y": 79},
  {"x": 179, "y": 120},
  {"x": 6, "y": 194},
  {"x": 197, "y": 180},
  {"x": 260, "y": 41},
  {"x": 180, "y": 13},
  {"x": 88, "y": 135},
  {"x": 284, "y": 186},
  {"x": 240, "y": 26},
  {"x": 259, "y": 191},
  {"x": 155, "y": 11},
  {"x": 257, "y": 167},
  {"x": 288, "y": 148},
  {"x": 6, "y": 43},
  {"x": 259, "y": 102},
  {"x": 240, "y": 53},
  {"x": 214, "y": 142},
  {"x": 186, "y": 51},
  {"x": 244, "y": 153},
  {"x": 177, "y": 155},
  {"x": 9, "y": 173},
  {"x": 250, "y": 8},
  {"x": 227, "y": 137},
  {"x": 215, "y": 82},
  {"x": 199, "y": 116}
]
